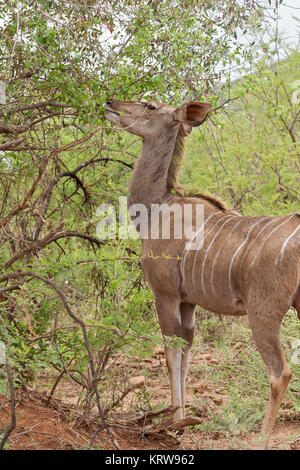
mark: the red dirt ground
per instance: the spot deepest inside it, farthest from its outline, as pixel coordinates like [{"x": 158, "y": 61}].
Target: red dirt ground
[
  {"x": 61, "y": 424},
  {"x": 41, "y": 427}
]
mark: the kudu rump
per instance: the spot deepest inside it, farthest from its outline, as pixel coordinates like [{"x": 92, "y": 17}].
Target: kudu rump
[{"x": 245, "y": 265}]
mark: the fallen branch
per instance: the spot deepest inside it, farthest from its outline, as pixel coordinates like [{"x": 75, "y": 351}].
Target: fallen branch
[
  {"x": 183, "y": 423},
  {"x": 173, "y": 426},
  {"x": 150, "y": 415}
]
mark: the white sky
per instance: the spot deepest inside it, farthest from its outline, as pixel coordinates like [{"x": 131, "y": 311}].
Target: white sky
[{"x": 289, "y": 26}]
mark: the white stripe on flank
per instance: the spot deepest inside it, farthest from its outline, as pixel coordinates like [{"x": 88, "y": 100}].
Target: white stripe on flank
[
  {"x": 219, "y": 251},
  {"x": 202, "y": 226},
  {"x": 249, "y": 294},
  {"x": 206, "y": 235},
  {"x": 271, "y": 233},
  {"x": 281, "y": 253},
  {"x": 249, "y": 246},
  {"x": 187, "y": 251},
  {"x": 207, "y": 251},
  {"x": 238, "y": 250}
]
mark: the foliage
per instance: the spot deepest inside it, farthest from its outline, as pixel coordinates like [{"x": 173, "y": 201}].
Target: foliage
[
  {"x": 250, "y": 151},
  {"x": 60, "y": 62}
]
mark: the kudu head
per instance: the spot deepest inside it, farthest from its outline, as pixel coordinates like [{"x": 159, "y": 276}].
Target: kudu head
[{"x": 153, "y": 119}]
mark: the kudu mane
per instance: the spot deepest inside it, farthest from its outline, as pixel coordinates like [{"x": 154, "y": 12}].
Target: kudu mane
[{"x": 174, "y": 172}]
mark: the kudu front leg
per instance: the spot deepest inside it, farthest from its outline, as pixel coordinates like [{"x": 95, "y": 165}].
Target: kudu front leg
[
  {"x": 188, "y": 329},
  {"x": 173, "y": 357},
  {"x": 169, "y": 317}
]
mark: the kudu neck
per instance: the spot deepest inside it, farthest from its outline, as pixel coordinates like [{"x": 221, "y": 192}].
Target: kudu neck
[{"x": 149, "y": 183}]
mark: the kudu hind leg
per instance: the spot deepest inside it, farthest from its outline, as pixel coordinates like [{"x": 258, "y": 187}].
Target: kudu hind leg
[
  {"x": 266, "y": 334},
  {"x": 169, "y": 317}
]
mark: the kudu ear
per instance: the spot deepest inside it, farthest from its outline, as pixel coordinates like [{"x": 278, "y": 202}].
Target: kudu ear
[{"x": 192, "y": 113}]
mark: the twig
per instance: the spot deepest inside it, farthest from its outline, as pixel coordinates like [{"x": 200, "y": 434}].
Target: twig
[
  {"x": 58, "y": 379},
  {"x": 223, "y": 104}
]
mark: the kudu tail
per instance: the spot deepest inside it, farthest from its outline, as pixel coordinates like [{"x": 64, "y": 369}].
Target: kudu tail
[{"x": 296, "y": 303}]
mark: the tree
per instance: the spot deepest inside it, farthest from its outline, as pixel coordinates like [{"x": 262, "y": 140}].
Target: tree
[{"x": 60, "y": 61}]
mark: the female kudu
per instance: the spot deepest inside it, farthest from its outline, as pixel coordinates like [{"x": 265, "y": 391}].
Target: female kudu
[{"x": 243, "y": 265}]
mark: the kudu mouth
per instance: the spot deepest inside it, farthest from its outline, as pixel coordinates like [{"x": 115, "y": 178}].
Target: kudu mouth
[{"x": 108, "y": 107}]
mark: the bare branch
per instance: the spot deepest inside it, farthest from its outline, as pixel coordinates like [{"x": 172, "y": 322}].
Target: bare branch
[
  {"x": 53, "y": 236},
  {"x": 11, "y": 145},
  {"x": 42, "y": 104}
]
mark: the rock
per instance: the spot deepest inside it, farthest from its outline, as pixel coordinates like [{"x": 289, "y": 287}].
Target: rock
[
  {"x": 218, "y": 400},
  {"x": 159, "y": 351},
  {"x": 199, "y": 411},
  {"x": 200, "y": 387},
  {"x": 214, "y": 361},
  {"x": 295, "y": 445},
  {"x": 206, "y": 356},
  {"x": 238, "y": 345},
  {"x": 215, "y": 435},
  {"x": 137, "y": 382}
]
